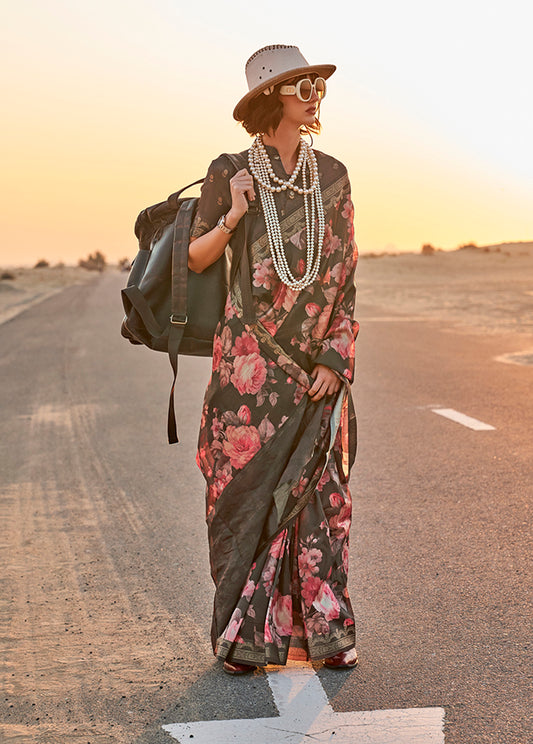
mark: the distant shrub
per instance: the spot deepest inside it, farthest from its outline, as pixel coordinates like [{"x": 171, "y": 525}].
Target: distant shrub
[
  {"x": 41, "y": 264},
  {"x": 7, "y": 275},
  {"x": 427, "y": 250},
  {"x": 124, "y": 264},
  {"x": 59, "y": 265},
  {"x": 468, "y": 246},
  {"x": 94, "y": 262}
]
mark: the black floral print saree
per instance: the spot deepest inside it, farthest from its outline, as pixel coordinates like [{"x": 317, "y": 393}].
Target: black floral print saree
[{"x": 276, "y": 463}]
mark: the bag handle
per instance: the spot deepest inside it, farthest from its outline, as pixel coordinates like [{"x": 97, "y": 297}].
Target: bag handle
[{"x": 180, "y": 192}]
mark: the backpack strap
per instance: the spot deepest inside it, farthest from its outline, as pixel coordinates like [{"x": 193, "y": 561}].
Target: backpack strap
[{"x": 178, "y": 307}]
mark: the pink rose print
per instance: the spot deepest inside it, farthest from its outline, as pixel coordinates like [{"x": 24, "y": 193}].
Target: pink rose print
[
  {"x": 244, "y": 345},
  {"x": 323, "y": 480},
  {"x": 307, "y": 562},
  {"x": 332, "y": 242},
  {"x": 336, "y": 500},
  {"x": 229, "y": 311},
  {"x": 299, "y": 393},
  {"x": 285, "y": 297},
  {"x": 216, "y": 427},
  {"x": 269, "y": 572},
  {"x": 224, "y": 372},
  {"x": 282, "y": 614},
  {"x": 338, "y": 272},
  {"x": 345, "y": 557},
  {"x": 310, "y": 589},
  {"x": 341, "y": 521},
  {"x": 263, "y": 274},
  {"x": 298, "y": 239},
  {"x": 312, "y": 309},
  {"x": 326, "y": 603},
  {"x": 268, "y": 575},
  {"x": 242, "y": 442},
  {"x": 249, "y": 373},
  {"x": 227, "y": 339},
  {"x": 217, "y": 352},
  {"x": 232, "y": 629},
  {"x": 343, "y": 342},
  {"x": 244, "y": 414},
  {"x": 299, "y": 490},
  {"x": 316, "y": 624},
  {"x": 249, "y": 589},
  {"x": 320, "y": 328},
  {"x": 348, "y": 210},
  {"x": 223, "y": 477},
  {"x": 270, "y": 326}
]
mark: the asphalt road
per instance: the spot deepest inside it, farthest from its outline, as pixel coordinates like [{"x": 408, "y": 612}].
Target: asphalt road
[{"x": 106, "y": 594}]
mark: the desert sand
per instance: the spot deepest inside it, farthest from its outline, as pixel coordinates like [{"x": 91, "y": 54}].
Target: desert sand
[
  {"x": 489, "y": 289},
  {"x": 29, "y": 286}
]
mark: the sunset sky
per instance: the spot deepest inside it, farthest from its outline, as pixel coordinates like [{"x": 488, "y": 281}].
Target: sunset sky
[{"x": 110, "y": 106}]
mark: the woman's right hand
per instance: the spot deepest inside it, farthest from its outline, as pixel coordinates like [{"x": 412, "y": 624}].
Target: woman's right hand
[{"x": 242, "y": 191}]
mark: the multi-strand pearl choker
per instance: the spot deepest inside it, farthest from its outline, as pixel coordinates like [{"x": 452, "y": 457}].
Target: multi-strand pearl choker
[{"x": 269, "y": 184}]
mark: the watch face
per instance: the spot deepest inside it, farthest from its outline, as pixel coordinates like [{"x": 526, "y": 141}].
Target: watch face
[{"x": 222, "y": 224}]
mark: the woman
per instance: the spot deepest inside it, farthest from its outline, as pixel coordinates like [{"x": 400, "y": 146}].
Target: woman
[{"x": 277, "y": 436}]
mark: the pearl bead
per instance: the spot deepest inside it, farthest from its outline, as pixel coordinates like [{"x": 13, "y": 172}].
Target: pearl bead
[{"x": 262, "y": 170}]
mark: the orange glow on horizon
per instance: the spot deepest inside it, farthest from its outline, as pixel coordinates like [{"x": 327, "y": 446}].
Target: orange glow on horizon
[{"x": 98, "y": 126}]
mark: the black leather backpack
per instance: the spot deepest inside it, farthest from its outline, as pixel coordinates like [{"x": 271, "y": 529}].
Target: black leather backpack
[{"x": 167, "y": 306}]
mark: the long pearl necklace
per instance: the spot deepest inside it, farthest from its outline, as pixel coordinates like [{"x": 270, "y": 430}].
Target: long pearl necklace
[{"x": 269, "y": 184}]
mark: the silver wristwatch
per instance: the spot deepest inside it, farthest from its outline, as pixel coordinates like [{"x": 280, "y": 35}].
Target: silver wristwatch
[{"x": 222, "y": 225}]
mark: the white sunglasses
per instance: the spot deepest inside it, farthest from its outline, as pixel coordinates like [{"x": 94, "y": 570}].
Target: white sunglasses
[{"x": 304, "y": 89}]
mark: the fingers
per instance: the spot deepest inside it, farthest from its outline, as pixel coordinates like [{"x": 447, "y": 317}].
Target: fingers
[
  {"x": 326, "y": 383},
  {"x": 319, "y": 389},
  {"x": 243, "y": 183}
]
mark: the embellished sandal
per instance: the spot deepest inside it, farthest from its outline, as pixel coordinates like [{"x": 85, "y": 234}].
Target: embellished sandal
[
  {"x": 232, "y": 667},
  {"x": 343, "y": 660}
]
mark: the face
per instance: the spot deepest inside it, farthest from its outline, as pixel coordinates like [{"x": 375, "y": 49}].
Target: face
[{"x": 300, "y": 112}]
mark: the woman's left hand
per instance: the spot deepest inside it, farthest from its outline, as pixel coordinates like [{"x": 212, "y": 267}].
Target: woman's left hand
[{"x": 326, "y": 382}]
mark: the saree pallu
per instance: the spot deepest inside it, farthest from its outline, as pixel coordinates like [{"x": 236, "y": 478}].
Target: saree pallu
[{"x": 276, "y": 463}]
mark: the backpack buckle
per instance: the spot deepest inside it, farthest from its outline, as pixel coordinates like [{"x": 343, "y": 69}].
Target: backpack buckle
[{"x": 179, "y": 319}]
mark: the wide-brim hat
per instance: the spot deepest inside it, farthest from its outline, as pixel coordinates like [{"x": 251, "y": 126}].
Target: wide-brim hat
[{"x": 272, "y": 65}]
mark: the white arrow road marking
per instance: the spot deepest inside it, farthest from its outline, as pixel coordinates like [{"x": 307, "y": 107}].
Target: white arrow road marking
[
  {"x": 461, "y": 418},
  {"x": 307, "y": 716}
]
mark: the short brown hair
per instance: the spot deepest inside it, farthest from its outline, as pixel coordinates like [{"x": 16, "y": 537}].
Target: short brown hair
[{"x": 264, "y": 113}]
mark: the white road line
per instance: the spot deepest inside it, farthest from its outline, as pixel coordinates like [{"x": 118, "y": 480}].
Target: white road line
[
  {"x": 306, "y": 715},
  {"x": 461, "y": 418}
]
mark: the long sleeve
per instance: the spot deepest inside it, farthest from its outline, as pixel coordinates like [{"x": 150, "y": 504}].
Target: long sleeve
[{"x": 215, "y": 199}]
